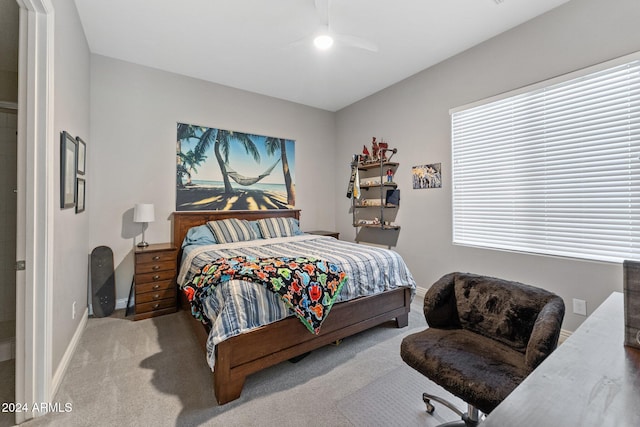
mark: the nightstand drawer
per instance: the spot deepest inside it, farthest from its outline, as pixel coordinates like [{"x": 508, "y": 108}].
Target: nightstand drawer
[
  {"x": 146, "y": 307},
  {"x": 154, "y": 286},
  {"x": 152, "y": 267},
  {"x": 155, "y": 277},
  {"x": 155, "y": 257},
  {"x": 156, "y": 295}
]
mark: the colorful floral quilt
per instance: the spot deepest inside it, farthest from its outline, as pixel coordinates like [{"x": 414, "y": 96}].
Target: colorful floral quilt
[{"x": 307, "y": 285}]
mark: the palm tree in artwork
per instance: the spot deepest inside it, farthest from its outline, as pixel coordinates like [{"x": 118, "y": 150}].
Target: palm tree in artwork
[
  {"x": 184, "y": 132},
  {"x": 190, "y": 160},
  {"x": 273, "y": 145},
  {"x": 221, "y": 140}
]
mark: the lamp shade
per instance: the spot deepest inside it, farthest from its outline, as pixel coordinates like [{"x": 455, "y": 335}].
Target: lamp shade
[{"x": 143, "y": 212}]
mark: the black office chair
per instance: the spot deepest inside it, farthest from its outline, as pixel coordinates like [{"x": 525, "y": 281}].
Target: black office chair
[{"x": 485, "y": 336}]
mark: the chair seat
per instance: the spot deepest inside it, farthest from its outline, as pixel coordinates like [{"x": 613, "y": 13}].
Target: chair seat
[{"x": 477, "y": 369}]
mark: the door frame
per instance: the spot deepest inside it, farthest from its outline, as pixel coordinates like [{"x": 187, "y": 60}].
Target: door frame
[{"x": 36, "y": 155}]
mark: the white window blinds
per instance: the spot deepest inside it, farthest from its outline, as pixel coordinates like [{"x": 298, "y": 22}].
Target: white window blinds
[{"x": 553, "y": 170}]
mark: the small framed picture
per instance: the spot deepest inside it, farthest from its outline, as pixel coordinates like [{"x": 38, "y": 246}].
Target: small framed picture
[
  {"x": 68, "y": 153},
  {"x": 82, "y": 155},
  {"x": 80, "y": 190},
  {"x": 427, "y": 176}
]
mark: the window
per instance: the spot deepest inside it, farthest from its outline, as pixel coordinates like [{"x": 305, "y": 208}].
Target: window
[{"x": 553, "y": 168}]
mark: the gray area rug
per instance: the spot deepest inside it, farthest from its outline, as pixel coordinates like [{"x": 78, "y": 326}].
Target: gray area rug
[{"x": 395, "y": 399}]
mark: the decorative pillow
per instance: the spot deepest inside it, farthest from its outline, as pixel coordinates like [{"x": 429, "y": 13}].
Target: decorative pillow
[
  {"x": 278, "y": 227},
  {"x": 200, "y": 235},
  {"x": 256, "y": 229},
  {"x": 232, "y": 230}
]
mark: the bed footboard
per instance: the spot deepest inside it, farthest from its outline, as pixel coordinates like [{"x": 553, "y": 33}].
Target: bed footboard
[{"x": 251, "y": 352}]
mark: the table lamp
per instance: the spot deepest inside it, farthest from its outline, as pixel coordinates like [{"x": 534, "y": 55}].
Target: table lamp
[{"x": 143, "y": 212}]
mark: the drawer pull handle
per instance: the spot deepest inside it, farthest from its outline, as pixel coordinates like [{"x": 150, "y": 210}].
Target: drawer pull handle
[
  {"x": 155, "y": 258},
  {"x": 156, "y": 296},
  {"x": 156, "y": 287},
  {"x": 156, "y": 306},
  {"x": 155, "y": 267},
  {"x": 156, "y": 277}
]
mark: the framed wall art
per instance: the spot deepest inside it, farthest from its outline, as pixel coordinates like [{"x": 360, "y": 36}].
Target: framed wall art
[
  {"x": 219, "y": 169},
  {"x": 80, "y": 191},
  {"x": 427, "y": 176},
  {"x": 82, "y": 156},
  {"x": 68, "y": 153}
]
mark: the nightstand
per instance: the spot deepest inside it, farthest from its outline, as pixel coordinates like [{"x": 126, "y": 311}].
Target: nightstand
[
  {"x": 324, "y": 233},
  {"x": 154, "y": 280}
]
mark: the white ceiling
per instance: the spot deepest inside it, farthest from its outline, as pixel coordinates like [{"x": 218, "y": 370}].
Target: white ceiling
[{"x": 251, "y": 44}]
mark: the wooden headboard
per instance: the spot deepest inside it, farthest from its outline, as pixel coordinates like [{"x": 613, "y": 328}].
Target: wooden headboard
[{"x": 183, "y": 221}]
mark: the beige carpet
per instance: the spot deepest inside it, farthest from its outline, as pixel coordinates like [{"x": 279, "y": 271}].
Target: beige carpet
[
  {"x": 153, "y": 373},
  {"x": 395, "y": 399}
]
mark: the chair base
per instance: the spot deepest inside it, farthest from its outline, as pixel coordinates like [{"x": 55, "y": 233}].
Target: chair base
[{"x": 469, "y": 419}]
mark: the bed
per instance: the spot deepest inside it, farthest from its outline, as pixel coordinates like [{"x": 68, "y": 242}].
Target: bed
[{"x": 241, "y": 355}]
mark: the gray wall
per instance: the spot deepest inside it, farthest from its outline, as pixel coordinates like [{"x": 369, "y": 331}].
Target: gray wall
[
  {"x": 413, "y": 116},
  {"x": 71, "y": 230},
  {"x": 132, "y": 150}
]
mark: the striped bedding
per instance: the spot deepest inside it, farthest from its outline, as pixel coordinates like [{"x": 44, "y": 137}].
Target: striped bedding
[{"x": 241, "y": 306}]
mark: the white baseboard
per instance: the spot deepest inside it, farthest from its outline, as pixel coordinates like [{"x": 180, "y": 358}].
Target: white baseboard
[
  {"x": 564, "y": 334},
  {"x": 120, "y": 304},
  {"x": 420, "y": 292},
  {"x": 66, "y": 358}
]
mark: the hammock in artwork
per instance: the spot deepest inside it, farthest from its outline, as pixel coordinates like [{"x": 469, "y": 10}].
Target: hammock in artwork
[{"x": 247, "y": 180}]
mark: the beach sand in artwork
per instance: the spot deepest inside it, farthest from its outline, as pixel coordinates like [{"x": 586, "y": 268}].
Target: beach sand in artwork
[{"x": 199, "y": 198}]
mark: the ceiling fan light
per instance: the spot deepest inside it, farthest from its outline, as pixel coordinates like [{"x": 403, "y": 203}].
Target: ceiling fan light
[{"x": 323, "y": 41}]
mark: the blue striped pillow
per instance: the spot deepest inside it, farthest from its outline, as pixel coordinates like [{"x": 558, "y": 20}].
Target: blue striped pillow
[
  {"x": 278, "y": 227},
  {"x": 232, "y": 230}
]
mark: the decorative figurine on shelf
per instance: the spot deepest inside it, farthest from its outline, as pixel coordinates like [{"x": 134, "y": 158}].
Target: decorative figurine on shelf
[
  {"x": 389, "y": 175},
  {"x": 365, "y": 155},
  {"x": 383, "y": 150},
  {"x": 376, "y": 150}
]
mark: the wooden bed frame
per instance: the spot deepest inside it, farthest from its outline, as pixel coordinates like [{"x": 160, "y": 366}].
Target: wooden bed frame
[{"x": 242, "y": 355}]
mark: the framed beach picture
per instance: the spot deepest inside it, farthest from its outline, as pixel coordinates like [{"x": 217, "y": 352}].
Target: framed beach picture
[
  {"x": 427, "y": 176},
  {"x": 219, "y": 169},
  {"x": 80, "y": 191},
  {"x": 68, "y": 153},
  {"x": 82, "y": 156}
]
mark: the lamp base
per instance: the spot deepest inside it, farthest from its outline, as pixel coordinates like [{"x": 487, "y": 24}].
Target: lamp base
[{"x": 143, "y": 244}]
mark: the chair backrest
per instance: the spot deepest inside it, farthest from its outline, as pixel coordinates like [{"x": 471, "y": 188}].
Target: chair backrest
[{"x": 503, "y": 310}]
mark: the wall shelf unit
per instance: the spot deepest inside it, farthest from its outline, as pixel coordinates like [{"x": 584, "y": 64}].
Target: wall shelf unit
[{"x": 369, "y": 210}]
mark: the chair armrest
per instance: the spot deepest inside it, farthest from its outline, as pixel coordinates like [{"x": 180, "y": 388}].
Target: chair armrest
[
  {"x": 440, "y": 309},
  {"x": 545, "y": 333}
]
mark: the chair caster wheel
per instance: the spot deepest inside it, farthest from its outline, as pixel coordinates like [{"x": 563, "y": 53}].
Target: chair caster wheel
[{"x": 427, "y": 401}]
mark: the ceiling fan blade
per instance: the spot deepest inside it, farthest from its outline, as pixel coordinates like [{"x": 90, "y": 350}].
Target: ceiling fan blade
[
  {"x": 302, "y": 41},
  {"x": 356, "y": 42}
]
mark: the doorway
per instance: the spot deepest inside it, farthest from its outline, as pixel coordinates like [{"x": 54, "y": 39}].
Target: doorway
[
  {"x": 8, "y": 217},
  {"x": 9, "y": 47},
  {"x": 8, "y": 213}
]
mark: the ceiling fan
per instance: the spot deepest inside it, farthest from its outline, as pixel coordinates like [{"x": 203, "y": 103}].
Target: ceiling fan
[{"x": 324, "y": 37}]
